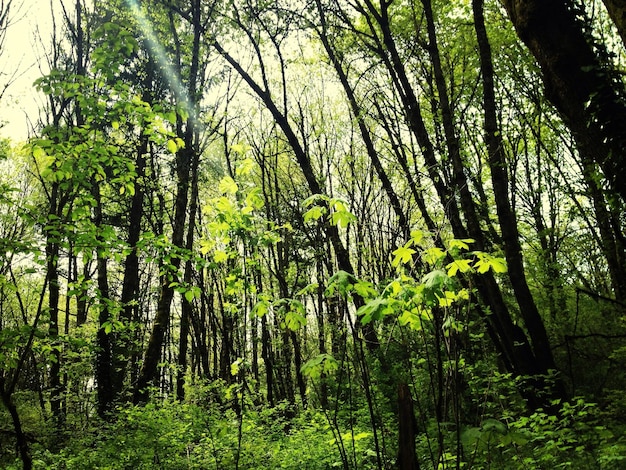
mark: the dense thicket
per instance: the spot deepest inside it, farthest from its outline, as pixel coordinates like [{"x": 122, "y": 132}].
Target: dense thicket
[{"x": 318, "y": 234}]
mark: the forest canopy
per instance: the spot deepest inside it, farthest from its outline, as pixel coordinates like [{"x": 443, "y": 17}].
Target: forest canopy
[{"x": 317, "y": 234}]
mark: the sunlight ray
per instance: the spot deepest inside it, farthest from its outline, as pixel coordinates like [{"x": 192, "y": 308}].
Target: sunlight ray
[{"x": 156, "y": 49}]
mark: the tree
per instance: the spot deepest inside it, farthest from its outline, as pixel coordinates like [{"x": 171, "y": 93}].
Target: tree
[{"x": 579, "y": 78}]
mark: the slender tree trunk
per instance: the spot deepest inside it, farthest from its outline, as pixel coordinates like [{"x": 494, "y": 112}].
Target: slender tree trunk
[
  {"x": 149, "y": 369},
  {"x": 407, "y": 429},
  {"x": 321, "y": 335},
  {"x": 611, "y": 237},
  {"x": 131, "y": 280},
  {"x": 187, "y": 306},
  {"x": 20, "y": 437},
  {"x": 268, "y": 360},
  {"x": 459, "y": 181},
  {"x": 617, "y": 12},
  {"x": 52, "y": 259},
  {"x": 104, "y": 358},
  {"x": 540, "y": 343}
]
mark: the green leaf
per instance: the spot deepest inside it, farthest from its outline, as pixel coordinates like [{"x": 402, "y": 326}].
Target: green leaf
[
  {"x": 309, "y": 201},
  {"x": 220, "y": 256},
  {"x": 227, "y": 185},
  {"x": 318, "y": 365},
  {"x": 245, "y": 167},
  {"x": 413, "y": 318},
  {"x": 254, "y": 198},
  {"x": 486, "y": 261},
  {"x": 240, "y": 148},
  {"x": 375, "y": 310},
  {"x": 314, "y": 213},
  {"x": 491, "y": 424},
  {"x": 434, "y": 283},
  {"x": 294, "y": 320},
  {"x": 417, "y": 236},
  {"x": 308, "y": 289},
  {"x": 461, "y": 265},
  {"x": 171, "y": 146},
  {"x": 432, "y": 255},
  {"x": 190, "y": 294},
  {"x": 234, "y": 367},
  {"x": 38, "y": 152},
  {"x": 435, "y": 280},
  {"x": 365, "y": 289},
  {"x": 343, "y": 218},
  {"x": 261, "y": 308},
  {"x": 402, "y": 255},
  {"x": 342, "y": 282},
  {"x": 447, "y": 299},
  {"x": 461, "y": 244}
]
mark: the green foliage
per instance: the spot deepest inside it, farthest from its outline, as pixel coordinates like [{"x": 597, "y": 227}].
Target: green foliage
[
  {"x": 173, "y": 436},
  {"x": 320, "y": 364},
  {"x": 572, "y": 438},
  {"x": 319, "y": 205},
  {"x": 291, "y": 312},
  {"x": 411, "y": 300}
]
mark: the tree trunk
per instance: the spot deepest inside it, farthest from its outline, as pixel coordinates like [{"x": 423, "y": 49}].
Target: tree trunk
[
  {"x": 131, "y": 280},
  {"x": 407, "y": 428},
  {"x": 104, "y": 358},
  {"x": 268, "y": 360},
  {"x": 577, "y": 81},
  {"x": 187, "y": 306},
  {"x": 52, "y": 260},
  {"x": 20, "y": 437},
  {"x": 540, "y": 343},
  {"x": 149, "y": 369}
]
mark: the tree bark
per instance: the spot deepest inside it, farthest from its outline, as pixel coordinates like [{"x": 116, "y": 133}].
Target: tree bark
[
  {"x": 52, "y": 266},
  {"x": 185, "y": 159},
  {"x": 130, "y": 282},
  {"x": 187, "y": 306},
  {"x": 149, "y": 369},
  {"x": 407, "y": 428},
  {"x": 104, "y": 356}
]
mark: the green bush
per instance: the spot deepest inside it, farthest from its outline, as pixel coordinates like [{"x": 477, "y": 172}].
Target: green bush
[{"x": 172, "y": 436}]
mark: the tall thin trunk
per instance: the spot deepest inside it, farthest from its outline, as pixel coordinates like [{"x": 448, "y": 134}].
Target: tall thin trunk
[
  {"x": 104, "y": 358},
  {"x": 266, "y": 355},
  {"x": 131, "y": 279},
  {"x": 187, "y": 306},
  {"x": 149, "y": 370},
  {"x": 184, "y": 162},
  {"x": 20, "y": 437},
  {"x": 617, "y": 12},
  {"x": 52, "y": 259},
  {"x": 508, "y": 224},
  {"x": 407, "y": 429}
]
